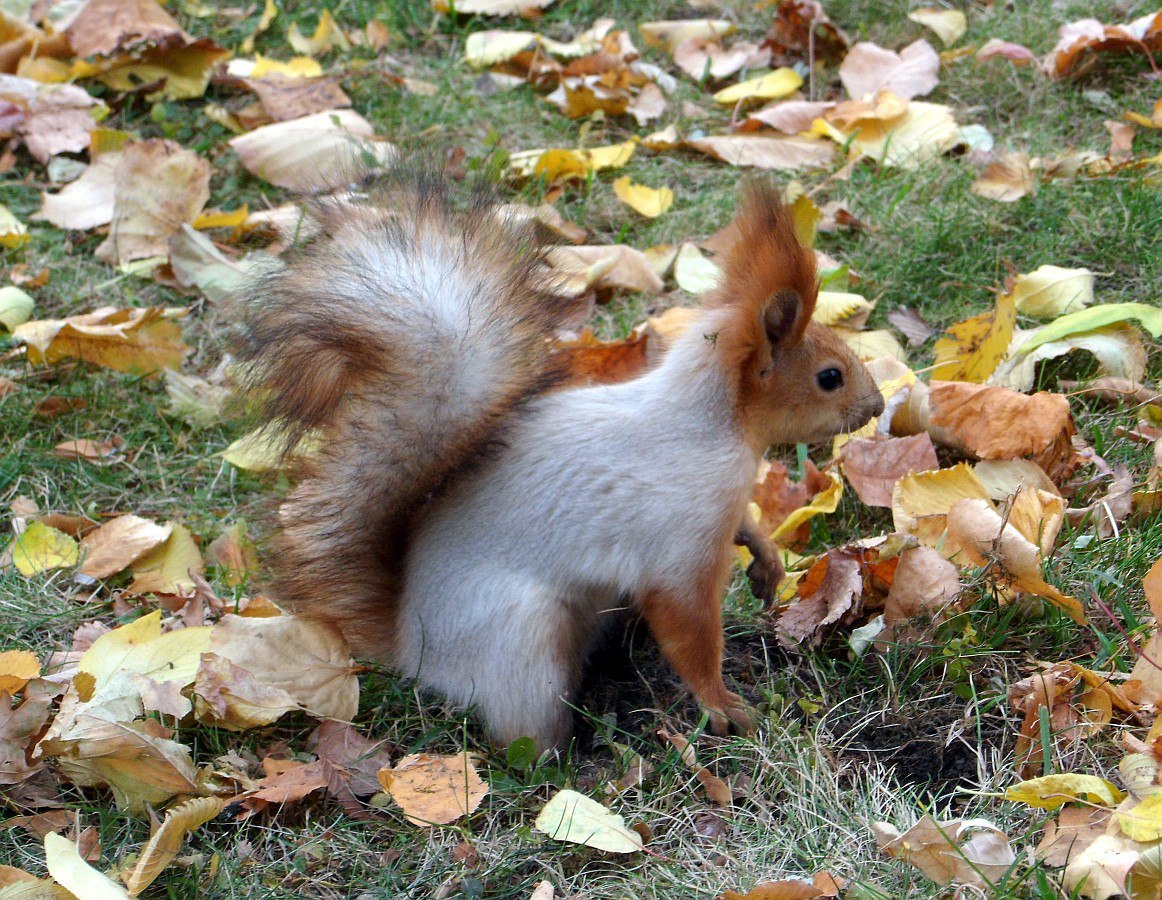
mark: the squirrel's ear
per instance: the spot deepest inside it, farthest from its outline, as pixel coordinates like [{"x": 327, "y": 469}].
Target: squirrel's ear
[{"x": 781, "y": 317}]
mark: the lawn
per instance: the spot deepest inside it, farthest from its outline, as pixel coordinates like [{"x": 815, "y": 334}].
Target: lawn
[{"x": 925, "y": 723}]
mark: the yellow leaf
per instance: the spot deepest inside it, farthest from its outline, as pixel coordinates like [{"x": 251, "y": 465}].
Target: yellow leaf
[
  {"x": 573, "y": 817},
  {"x": 822, "y": 503},
  {"x": 222, "y": 218},
  {"x": 261, "y": 66},
  {"x": 650, "y": 202},
  {"x": 779, "y": 83},
  {"x": 167, "y": 841},
  {"x": 269, "y": 14},
  {"x": 948, "y": 24},
  {"x": 328, "y": 36},
  {"x": 17, "y": 668},
  {"x": 869, "y": 345},
  {"x": 837, "y": 308},
  {"x": 15, "y": 307},
  {"x": 138, "y": 341},
  {"x": 923, "y": 132},
  {"x": 185, "y": 72},
  {"x": 486, "y": 48},
  {"x": 434, "y": 790},
  {"x": 1052, "y": 291},
  {"x": 695, "y": 273},
  {"x": 972, "y": 349},
  {"x": 1053, "y": 791},
  {"x": 806, "y": 216},
  {"x": 13, "y": 232},
  {"x": 69, "y": 869},
  {"x": 170, "y": 567},
  {"x": 559, "y": 164},
  {"x": 921, "y": 501},
  {"x": 141, "y": 647},
  {"x": 40, "y": 548}
]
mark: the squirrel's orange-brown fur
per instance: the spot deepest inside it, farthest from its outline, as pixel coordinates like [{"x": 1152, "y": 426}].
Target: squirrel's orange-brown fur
[{"x": 471, "y": 527}]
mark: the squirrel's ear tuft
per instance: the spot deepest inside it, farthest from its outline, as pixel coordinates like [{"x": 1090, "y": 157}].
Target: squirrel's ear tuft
[{"x": 781, "y": 316}]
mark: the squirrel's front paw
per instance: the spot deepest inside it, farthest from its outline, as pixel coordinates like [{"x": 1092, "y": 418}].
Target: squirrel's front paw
[
  {"x": 765, "y": 575},
  {"x": 733, "y": 713}
]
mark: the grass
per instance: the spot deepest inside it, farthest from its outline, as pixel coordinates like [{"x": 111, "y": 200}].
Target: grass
[{"x": 920, "y": 727}]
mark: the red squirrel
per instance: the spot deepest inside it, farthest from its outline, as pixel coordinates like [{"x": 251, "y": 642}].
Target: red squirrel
[{"x": 471, "y": 518}]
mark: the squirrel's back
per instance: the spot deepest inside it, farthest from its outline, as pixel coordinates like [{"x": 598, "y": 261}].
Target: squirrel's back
[{"x": 403, "y": 334}]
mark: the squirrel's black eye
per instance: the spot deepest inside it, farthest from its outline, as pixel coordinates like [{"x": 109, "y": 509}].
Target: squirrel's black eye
[{"x": 830, "y": 379}]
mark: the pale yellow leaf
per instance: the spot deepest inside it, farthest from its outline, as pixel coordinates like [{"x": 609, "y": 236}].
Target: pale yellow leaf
[
  {"x": 948, "y": 24},
  {"x": 17, "y": 668},
  {"x": 694, "y": 272},
  {"x": 1052, "y": 791},
  {"x": 667, "y": 35},
  {"x": 112, "y": 547},
  {"x": 13, "y": 232},
  {"x": 1051, "y": 291},
  {"x": 573, "y": 817},
  {"x": 16, "y": 306},
  {"x": 487, "y": 48},
  {"x": 169, "y": 568},
  {"x": 868, "y": 68},
  {"x": 141, "y": 647},
  {"x": 69, "y": 869},
  {"x": 649, "y": 202}
]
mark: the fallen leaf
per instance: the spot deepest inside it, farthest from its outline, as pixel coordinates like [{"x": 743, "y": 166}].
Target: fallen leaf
[
  {"x": 234, "y": 554},
  {"x": 1053, "y": 791},
  {"x": 972, "y": 349},
  {"x": 1051, "y": 291},
  {"x": 920, "y": 134},
  {"x": 21, "y": 724},
  {"x": 315, "y": 153},
  {"x": 573, "y": 817},
  {"x": 435, "y": 790},
  {"x": 98, "y": 452},
  {"x": 309, "y": 660},
  {"x": 801, "y": 31},
  {"x": 558, "y": 164},
  {"x": 1006, "y": 179},
  {"x": 993, "y": 422},
  {"x": 158, "y": 186},
  {"x": 591, "y": 361},
  {"x": 1080, "y": 40},
  {"x": 649, "y": 202},
  {"x": 791, "y": 116},
  {"x": 911, "y": 324},
  {"x": 774, "y": 86},
  {"x": 1118, "y": 349},
  {"x": 694, "y": 272},
  {"x": 787, "y": 889},
  {"x": 873, "y": 465},
  {"x": 87, "y": 201},
  {"x": 828, "y": 591},
  {"x": 1100, "y": 871},
  {"x": 169, "y": 568},
  {"x": 1014, "y": 53},
  {"x": 868, "y": 68},
  {"x": 610, "y": 267},
  {"x": 701, "y": 57},
  {"x": 488, "y": 7},
  {"x": 329, "y": 36},
  {"x": 948, "y": 24},
  {"x": 285, "y": 97},
  {"x": 764, "y": 152},
  {"x": 17, "y": 668},
  {"x": 924, "y": 583},
  {"x": 138, "y": 341},
  {"x": 351, "y": 761},
  {"x": 53, "y": 118},
  {"x": 141, "y": 648},
  {"x": 957, "y": 851},
  {"x": 41, "y": 548},
  {"x": 668, "y": 35},
  {"x": 228, "y": 696},
  {"x": 1075, "y": 829},
  {"x": 166, "y": 842},
  {"x": 921, "y": 501},
  {"x": 68, "y": 868},
  {"x": 716, "y": 789},
  {"x": 118, "y": 543},
  {"x": 288, "y": 781}
]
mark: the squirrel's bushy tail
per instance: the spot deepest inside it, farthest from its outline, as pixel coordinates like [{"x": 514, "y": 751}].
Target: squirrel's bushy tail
[{"x": 402, "y": 336}]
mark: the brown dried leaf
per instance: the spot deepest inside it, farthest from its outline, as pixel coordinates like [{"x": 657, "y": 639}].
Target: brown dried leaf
[
  {"x": 309, "y": 660},
  {"x": 592, "y": 361},
  {"x": 159, "y": 186},
  {"x": 777, "y": 496},
  {"x": 873, "y": 465},
  {"x": 829, "y": 590},
  {"x": 352, "y": 762},
  {"x": 138, "y": 341},
  {"x": 1014, "y": 53},
  {"x": 1006, "y": 179},
  {"x": 791, "y": 116},
  {"x": 51, "y": 118},
  {"x": 228, "y": 696},
  {"x": 924, "y": 583},
  {"x": 288, "y": 781},
  {"x": 118, "y": 543},
  {"x": 1079, "y": 41},
  {"x": 20, "y": 725},
  {"x": 99, "y": 452},
  {"x": 801, "y": 31},
  {"x": 913, "y": 326},
  {"x": 285, "y": 98},
  {"x": 958, "y": 851},
  {"x": 996, "y": 423},
  {"x": 764, "y": 152}
]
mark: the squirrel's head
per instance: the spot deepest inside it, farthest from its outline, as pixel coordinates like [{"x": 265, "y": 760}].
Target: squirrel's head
[{"x": 798, "y": 381}]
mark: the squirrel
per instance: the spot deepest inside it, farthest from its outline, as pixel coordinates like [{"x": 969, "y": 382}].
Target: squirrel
[{"x": 471, "y": 517}]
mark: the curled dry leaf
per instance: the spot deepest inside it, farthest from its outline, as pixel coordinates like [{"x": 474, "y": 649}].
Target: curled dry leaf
[
  {"x": 1014, "y": 53},
  {"x": 170, "y": 568},
  {"x": 693, "y": 271},
  {"x": 983, "y": 535},
  {"x": 158, "y": 186},
  {"x": 435, "y": 790},
  {"x": 288, "y": 780},
  {"x": 649, "y": 202},
  {"x": 920, "y": 502},
  {"x": 1006, "y": 179},
  {"x": 138, "y": 341},
  {"x": 308, "y": 660},
  {"x": 20, "y": 725},
  {"x": 230, "y": 697},
  {"x": 167, "y": 840},
  {"x": 924, "y": 583},
  {"x": 315, "y": 153},
  {"x": 351, "y": 762},
  {"x": 668, "y": 35},
  {"x": 612, "y": 267},
  {"x": 1054, "y": 791},
  {"x": 921, "y": 133},
  {"x": 558, "y": 164},
  {"x": 773, "y": 86},
  {"x": 69, "y": 869},
  {"x": 911, "y": 324},
  {"x": 716, "y": 789},
  {"x": 957, "y": 851},
  {"x": 1051, "y": 291},
  {"x": 993, "y": 422},
  {"x": 573, "y": 817},
  {"x": 1079, "y": 41},
  {"x": 591, "y": 361},
  {"x": 801, "y": 31},
  {"x": 791, "y": 116},
  {"x": 118, "y": 543},
  {"x": 869, "y": 68},
  {"x": 829, "y": 591},
  {"x": 872, "y": 466}
]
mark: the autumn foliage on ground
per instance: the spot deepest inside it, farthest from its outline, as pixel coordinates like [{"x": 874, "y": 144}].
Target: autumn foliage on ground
[{"x": 157, "y": 710}]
